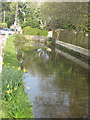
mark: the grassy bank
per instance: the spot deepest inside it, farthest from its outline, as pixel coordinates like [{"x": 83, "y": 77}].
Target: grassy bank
[{"x": 15, "y": 103}]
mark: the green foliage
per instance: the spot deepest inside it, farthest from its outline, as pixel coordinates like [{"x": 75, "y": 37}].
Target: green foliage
[
  {"x": 33, "y": 31},
  {"x": 48, "y": 15},
  {"x": 24, "y": 24},
  {"x": 3, "y": 25},
  {"x": 9, "y": 13},
  {"x": 32, "y": 22},
  {"x": 14, "y": 100},
  {"x": 15, "y": 103},
  {"x": 69, "y": 26},
  {"x": 58, "y": 14},
  {"x": 19, "y": 37}
]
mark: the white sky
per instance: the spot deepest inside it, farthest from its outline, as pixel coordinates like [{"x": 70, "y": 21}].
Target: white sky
[{"x": 45, "y": 0}]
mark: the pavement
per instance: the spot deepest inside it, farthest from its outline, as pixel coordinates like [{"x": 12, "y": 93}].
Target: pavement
[{"x": 2, "y": 44}]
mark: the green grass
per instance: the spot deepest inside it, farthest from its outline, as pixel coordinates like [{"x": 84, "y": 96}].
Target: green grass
[
  {"x": 10, "y": 54},
  {"x": 15, "y": 103}
]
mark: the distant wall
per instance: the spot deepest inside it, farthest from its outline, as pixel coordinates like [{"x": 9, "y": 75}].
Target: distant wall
[
  {"x": 50, "y": 34},
  {"x": 79, "y": 38}
]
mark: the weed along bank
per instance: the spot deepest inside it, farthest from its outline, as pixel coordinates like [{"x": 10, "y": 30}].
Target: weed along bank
[{"x": 15, "y": 103}]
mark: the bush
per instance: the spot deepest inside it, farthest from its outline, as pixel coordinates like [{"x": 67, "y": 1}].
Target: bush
[
  {"x": 32, "y": 22},
  {"x": 3, "y": 25},
  {"x": 34, "y": 31},
  {"x": 24, "y": 24}
]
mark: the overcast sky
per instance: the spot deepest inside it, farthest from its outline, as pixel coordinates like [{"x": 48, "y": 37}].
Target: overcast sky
[{"x": 45, "y": 0}]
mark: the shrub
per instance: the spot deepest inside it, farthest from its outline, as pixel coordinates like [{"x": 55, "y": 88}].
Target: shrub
[
  {"x": 3, "y": 25},
  {"x": 32, "y": 22},
  {"x": 34, "y": 31}
]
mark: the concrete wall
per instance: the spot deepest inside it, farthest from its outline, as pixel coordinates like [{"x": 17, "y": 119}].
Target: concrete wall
[
  {"x": 83, "y": 64},
  {"x": 79, "y": 38},
  {"x": 74, "y": 48},
  {"x": 73, "y": 40},
  {"x": 50, "y": 34}
]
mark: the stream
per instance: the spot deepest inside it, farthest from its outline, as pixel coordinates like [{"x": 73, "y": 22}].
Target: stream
[{"x": 56, "y": 86}]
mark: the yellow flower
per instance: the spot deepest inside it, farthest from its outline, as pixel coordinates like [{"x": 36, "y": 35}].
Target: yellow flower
[
  {"x": 15, "y": 88},
  {"x": 19, "y": 68},
  {"x": 24, "y": 70},
  {"x": 9, "y": 91},
  {"x": 2, "y": 63}
]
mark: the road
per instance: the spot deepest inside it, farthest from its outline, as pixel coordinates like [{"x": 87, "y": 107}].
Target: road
[{"x": 2, "y": 43}]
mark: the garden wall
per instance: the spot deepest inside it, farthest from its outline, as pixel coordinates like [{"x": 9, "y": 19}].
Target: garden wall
[{"x": 79, "y": 38}]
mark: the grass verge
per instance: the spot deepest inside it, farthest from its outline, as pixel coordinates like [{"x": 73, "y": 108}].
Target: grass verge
[{"x": 15, "y": 103}]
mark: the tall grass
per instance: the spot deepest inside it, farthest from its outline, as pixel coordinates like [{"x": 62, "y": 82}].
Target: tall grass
[{"x": 15, "y": 103}]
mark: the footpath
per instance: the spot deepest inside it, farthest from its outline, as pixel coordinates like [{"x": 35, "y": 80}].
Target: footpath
[{"x": 2, "y": 44}]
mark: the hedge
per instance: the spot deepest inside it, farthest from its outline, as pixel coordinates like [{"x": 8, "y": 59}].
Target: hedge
[{"x": 34, "y": 31}]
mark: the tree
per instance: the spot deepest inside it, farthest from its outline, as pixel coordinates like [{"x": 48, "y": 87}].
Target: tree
[
  {"x": 64, "y": 15},
  {"x": 48, "y": 15},
  {"x": 9, "y": 13}
]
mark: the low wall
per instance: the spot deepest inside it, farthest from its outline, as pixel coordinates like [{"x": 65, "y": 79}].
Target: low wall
[
  {"x": 83, "y": 64},
  {"x": 79, "y": 38},
  {"x": 74, "y": 48}
]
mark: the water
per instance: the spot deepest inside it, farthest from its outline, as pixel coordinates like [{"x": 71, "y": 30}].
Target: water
[{"x": 58, "y": 86}]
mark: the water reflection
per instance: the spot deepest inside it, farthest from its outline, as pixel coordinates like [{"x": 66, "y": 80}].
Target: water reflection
[
  {"x": 58, "y": 86},
  {"x": 42, "y": 53}
]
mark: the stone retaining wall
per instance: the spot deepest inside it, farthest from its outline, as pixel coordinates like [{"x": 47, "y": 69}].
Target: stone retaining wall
[
  {"x": 81, "y": 63},
  {"x": 78, "y": 38},
  {"x": 74, "y": 48}
]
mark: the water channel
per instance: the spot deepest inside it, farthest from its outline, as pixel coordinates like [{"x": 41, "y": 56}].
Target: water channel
[{"x": 58, "y": 86}]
